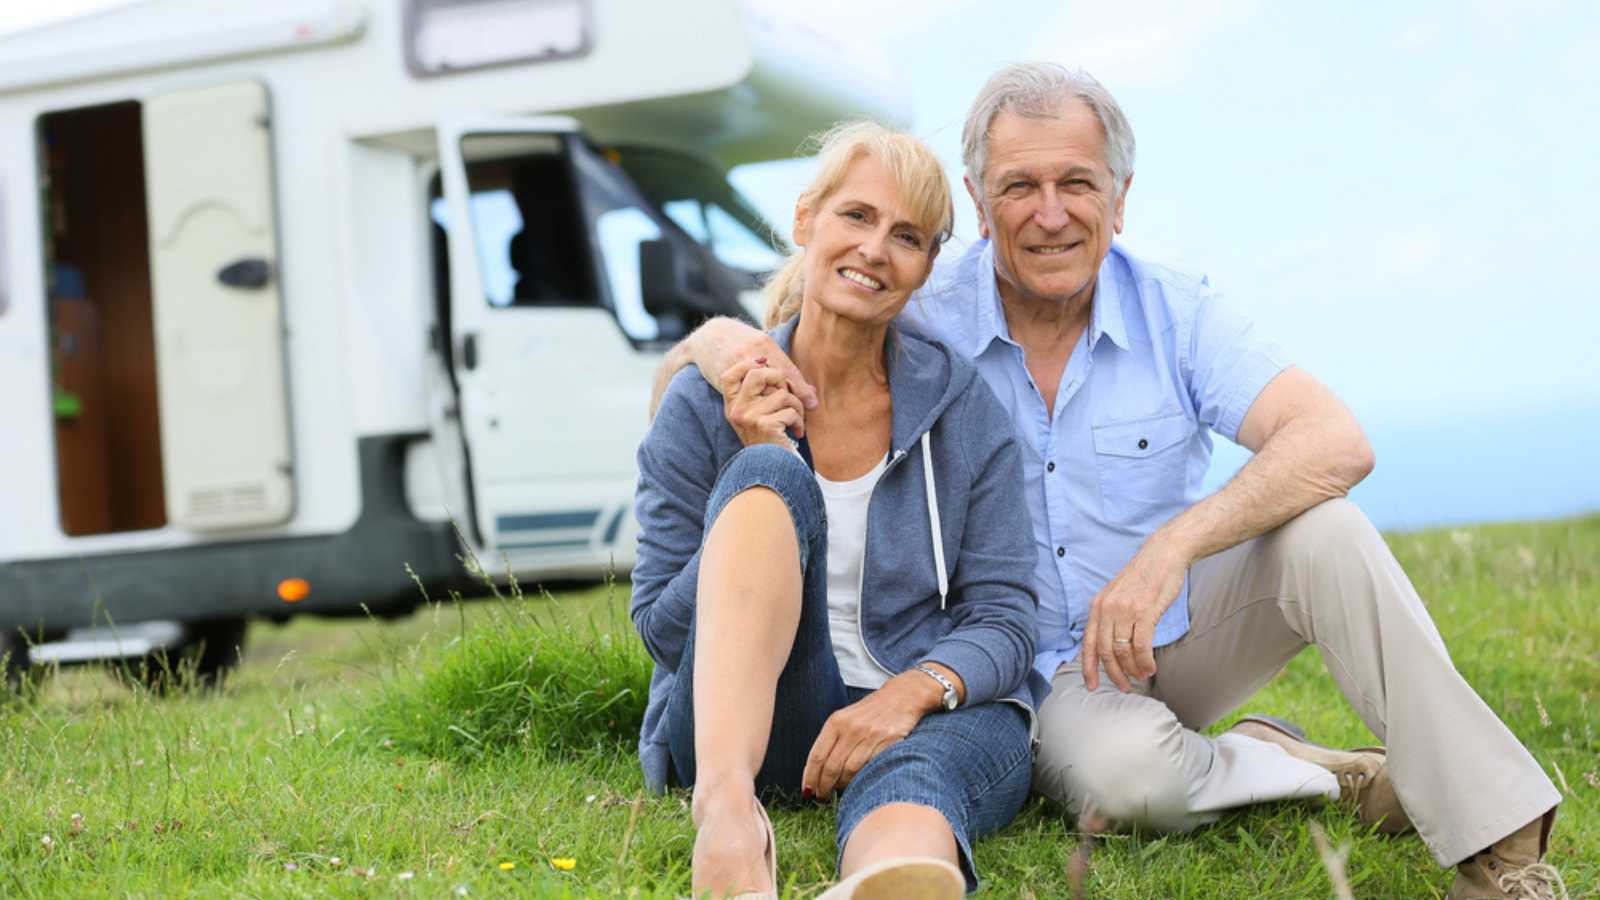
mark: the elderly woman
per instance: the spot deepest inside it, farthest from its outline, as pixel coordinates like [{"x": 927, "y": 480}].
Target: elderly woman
[{"x": 850, "y": 613}]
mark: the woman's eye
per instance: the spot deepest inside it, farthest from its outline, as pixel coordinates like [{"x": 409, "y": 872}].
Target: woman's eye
[
  {"x": 855, "y": 215},
  {"x": 911, "y": 240}
]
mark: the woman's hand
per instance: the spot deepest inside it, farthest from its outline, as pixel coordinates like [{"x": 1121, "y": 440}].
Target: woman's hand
[
  {"x": 854, "y": 735},
  {"x": 758, "y": 404}
]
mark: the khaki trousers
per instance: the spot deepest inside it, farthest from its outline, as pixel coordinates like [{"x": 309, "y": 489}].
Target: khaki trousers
[{"x": 1325, "y": 579}]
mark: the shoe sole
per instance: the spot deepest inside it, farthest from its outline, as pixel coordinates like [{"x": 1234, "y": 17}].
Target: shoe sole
[{"x": 922, "y": 879}]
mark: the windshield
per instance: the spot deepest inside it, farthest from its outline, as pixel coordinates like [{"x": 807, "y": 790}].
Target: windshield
[{"x": 697, "y": 198}]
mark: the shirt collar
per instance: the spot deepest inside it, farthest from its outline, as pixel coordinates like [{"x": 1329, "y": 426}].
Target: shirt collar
[
  {"x": 991, "y": 325},
  {"x": 1106, "y": 309},
  {"x": 1106, "y": 318}
]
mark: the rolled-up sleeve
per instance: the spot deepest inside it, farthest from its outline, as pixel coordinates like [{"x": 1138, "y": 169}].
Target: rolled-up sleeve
[{"x": 1226, "y": 362}]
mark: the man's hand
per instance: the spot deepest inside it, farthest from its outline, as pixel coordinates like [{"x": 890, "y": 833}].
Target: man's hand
[
  {"x": 721, "y": 343},
  {"x": 757, "y": 405},
  {"x": 854, "y": 735},
  {"x": 1123, "y": 616}
]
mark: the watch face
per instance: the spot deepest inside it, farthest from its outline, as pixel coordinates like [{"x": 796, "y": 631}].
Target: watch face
[{"x": 950, "y": 700}]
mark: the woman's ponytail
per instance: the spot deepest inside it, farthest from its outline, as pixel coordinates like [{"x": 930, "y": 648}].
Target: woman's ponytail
[{"x": 785, "y": 290}]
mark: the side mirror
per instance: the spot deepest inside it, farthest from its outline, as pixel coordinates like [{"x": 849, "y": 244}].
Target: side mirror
[{"x": 673, "y": 281}]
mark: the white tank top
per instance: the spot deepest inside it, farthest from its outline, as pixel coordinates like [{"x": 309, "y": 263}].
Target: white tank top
[{"x": 846, "y": 502}]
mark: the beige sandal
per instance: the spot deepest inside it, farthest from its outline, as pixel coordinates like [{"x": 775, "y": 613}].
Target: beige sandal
[
  {"x": 772, "y": 862},
  {"x": 922, "y": 878}
]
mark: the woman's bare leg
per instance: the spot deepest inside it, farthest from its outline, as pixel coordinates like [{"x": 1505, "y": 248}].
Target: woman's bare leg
[
  {"x": 897, "y": 830},
  {"x": 746, "y": 614}
]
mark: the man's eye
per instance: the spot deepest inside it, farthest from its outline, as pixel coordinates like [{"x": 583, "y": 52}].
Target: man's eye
[{"x": 1016, "y": 187}]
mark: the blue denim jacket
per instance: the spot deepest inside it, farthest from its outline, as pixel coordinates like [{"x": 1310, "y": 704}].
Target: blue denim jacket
[{"x": 985, "y": 631}]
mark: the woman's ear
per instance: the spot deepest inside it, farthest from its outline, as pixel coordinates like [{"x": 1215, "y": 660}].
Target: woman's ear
[{"x": 802, "y": 224}]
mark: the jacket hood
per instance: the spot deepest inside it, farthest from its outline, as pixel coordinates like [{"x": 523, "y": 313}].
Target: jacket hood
[{"x": 923, "y": 381}]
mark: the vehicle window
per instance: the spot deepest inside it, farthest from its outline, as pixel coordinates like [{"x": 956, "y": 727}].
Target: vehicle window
[
  {"x": 623, "y": 219},
  {"x": 735, "y": 244},
  {"x": 528, "y": 229},
  {"x": 699, "y": 199},
  {"x": 620, "y": 232}
]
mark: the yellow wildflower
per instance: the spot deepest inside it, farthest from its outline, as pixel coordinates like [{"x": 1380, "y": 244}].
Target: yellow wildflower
[
  {"x": 564, "y": 863},
  {"x": 507, "y": 866}
]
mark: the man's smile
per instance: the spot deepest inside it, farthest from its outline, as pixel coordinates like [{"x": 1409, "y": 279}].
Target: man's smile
[{"x": 1053, "y": 249}]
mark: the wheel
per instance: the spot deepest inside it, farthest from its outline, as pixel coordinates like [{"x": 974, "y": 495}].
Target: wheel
[
  {"x": 13, "y": 660},
  {"x": 210, "y": 650},
  {"x": 16, "y": 673}
]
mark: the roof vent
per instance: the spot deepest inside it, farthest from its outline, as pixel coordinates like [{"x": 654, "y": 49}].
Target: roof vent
[{"x": 444, "y": 36}]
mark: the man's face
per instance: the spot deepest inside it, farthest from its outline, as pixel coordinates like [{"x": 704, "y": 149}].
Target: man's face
[{"x": 1049, "y": 204}]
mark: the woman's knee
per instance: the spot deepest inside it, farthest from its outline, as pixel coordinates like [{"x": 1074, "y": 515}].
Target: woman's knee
[{"x": 761, "y": 474}]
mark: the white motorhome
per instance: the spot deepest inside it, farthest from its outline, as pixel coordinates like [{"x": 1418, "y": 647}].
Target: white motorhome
[{"x": 290, "y": 290}]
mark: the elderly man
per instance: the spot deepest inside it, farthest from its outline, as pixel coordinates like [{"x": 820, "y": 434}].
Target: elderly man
[{"x": 1163, "y": 609}]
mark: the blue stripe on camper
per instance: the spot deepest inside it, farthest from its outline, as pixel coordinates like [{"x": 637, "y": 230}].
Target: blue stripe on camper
[
  {"x": 545, "y": 545},
  {"x": 581, "y": 518},
  {"x": 614, "y": 527}
]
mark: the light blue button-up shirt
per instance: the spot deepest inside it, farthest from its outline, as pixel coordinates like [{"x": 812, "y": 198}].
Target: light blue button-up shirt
[{"x": 1126, "y": 444}]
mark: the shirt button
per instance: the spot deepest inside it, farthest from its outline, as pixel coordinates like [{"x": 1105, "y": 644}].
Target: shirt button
[
  {"x": 1061, "y": 551},
  {"x": 1143, "y": 444},
  {"x": 1050, "y": 467}
]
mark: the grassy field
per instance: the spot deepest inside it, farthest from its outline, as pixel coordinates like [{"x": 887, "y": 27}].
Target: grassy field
[{"x": 486, "y": 750}]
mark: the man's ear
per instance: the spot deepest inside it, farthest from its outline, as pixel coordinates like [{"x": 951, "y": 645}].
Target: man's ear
[
  {"x": 1122, "y": 202},
  {"x": 977, "y": 203},
  {"x": 802, "y": 224}
]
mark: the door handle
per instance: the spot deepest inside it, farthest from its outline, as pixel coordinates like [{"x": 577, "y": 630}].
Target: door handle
[
  {"x": 469, "y": 350},
  {"x": 251, "y": 272}
]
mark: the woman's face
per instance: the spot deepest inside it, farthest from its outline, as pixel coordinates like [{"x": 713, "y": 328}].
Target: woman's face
[{"x": 864, "y": 255}]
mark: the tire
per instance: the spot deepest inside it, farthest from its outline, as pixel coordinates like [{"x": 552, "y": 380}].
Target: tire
[
  {"x": 210, "y": 650},
  {"x": 18, "y": 676},
  {"x": 13, "y": 660}
]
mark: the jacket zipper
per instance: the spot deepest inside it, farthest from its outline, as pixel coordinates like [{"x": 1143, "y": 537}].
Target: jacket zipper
[
  {"x": 861, "y": 577},
  {"x": 861, "y": 634}
]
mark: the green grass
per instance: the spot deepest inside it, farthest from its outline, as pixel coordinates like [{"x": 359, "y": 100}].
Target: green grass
[{"x": 466, "y": 737}]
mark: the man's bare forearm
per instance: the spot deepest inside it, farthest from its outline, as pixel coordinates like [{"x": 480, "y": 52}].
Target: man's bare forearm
[
  {"x": 1308, "y": 460},
  {"x": 676, "y": 358}
]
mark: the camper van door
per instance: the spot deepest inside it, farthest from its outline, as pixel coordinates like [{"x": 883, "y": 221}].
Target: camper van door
[{"x": 553, "y": 352}]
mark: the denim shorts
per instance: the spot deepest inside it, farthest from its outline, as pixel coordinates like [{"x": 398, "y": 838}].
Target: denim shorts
[{"x": 972, "y": 764}]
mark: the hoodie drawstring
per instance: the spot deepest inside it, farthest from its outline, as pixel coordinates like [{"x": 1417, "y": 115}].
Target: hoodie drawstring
[{"x": 933, "y": 517}]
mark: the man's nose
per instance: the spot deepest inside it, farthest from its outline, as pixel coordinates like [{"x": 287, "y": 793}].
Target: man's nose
[{"x": 1052, "y": 212}]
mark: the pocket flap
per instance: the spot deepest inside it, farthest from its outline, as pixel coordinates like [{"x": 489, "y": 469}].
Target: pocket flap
[{"x": 1141, "y": 437}]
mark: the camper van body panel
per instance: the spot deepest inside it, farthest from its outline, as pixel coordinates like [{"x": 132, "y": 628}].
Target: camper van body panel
[{"x": 377, "y": 430}]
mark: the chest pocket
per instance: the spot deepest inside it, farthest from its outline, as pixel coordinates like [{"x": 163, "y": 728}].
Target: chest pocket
[{"x": 1143, "y": 465}]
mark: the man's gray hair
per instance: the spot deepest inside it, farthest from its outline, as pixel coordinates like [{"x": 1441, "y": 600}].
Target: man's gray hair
[{"x": 1037, "y": 90}]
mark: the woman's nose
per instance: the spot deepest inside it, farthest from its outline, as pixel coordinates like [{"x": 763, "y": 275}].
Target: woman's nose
[{"x": 872, "y": 247}]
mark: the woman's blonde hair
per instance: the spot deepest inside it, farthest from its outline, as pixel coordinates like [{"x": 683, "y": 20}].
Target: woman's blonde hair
[{"x": 915, "y": 170}]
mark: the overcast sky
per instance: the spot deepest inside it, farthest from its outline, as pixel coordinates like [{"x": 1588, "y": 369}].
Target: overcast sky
[{"x": 1404, "y": 194}]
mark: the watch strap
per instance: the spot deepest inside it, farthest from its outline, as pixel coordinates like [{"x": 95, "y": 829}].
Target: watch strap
[{"x": 951, "y": 698}]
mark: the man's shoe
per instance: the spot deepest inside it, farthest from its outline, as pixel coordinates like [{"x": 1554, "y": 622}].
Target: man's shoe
[
  {"x": 1363, "y": 773},
  {"x": 1511, "y": 868}
]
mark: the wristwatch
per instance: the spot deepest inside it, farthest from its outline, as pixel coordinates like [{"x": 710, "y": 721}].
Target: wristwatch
[{"x": 951, "y": 699}]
